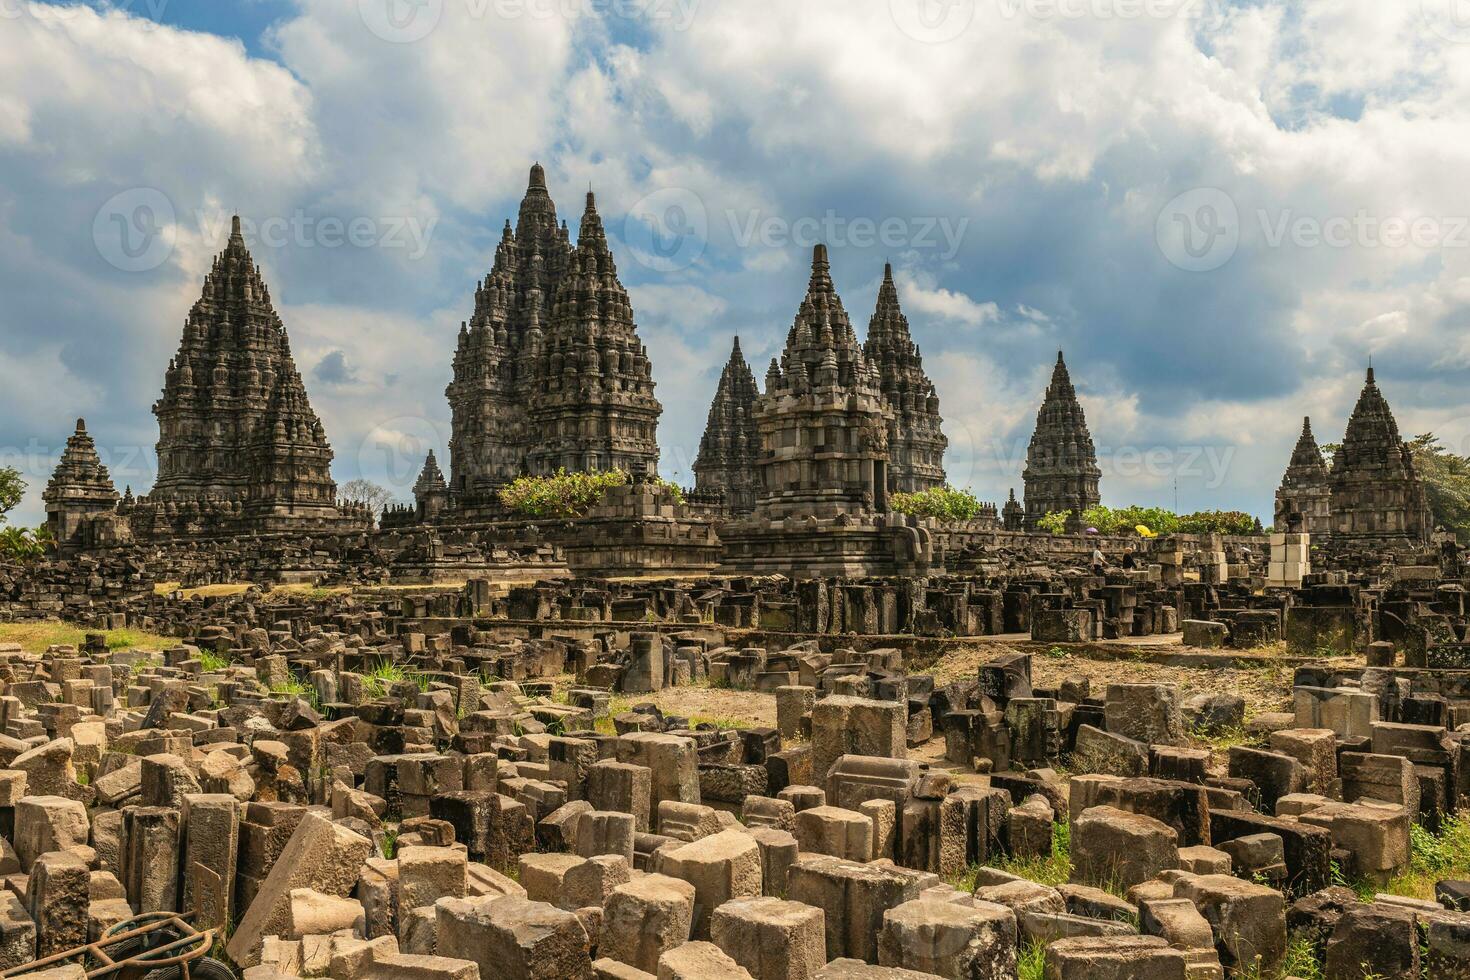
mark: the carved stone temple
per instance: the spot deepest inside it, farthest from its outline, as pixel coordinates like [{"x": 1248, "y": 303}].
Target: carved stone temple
[
  {"x": 549, "y": 372},
  {"x": 1304, "y": 493},
  {"x": 1061, "y": 463},
  {"x": 81, "y": 499},
  {"x": 240, "y": 449},
  {"x": 824, "y": 425},
  {"x": 916, "y": 443},
  {"x": 730, "y": 447},
  {"x": 1377, "y": 500}
]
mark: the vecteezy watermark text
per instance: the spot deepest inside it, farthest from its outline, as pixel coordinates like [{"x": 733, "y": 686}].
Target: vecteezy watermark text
[
  {"x": 1200, "y": 230},
  {"x": 837, "y": 230},
  {"x": 406, "y": 21},
  {"x": 136, "y": 230}
]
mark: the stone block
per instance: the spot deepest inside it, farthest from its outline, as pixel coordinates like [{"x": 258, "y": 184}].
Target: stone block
[
  {"x": 320, "y": 855},
  {"x": 854, "y": 897},
  {"x": 832, "y": 830},
  {"x": 621, "y": 786},
  {"x": 722, "y": 867},
  {"x": 645, "y": 918},
  {"x": 1148, "y": 713},
  {"x": 47, "y": 823},
  {"x": 771, "y": 938},
  {"x": 1249, "y": 920},
  {"x": 513, "y": 938},
  {"x": 856, "y": 726},
  {"x": 699, "y": 961},
  {"x": 671, "y": 760},
  {"x": 1118, "y": 848},
  {"x": 950, "y": 940},
  {"x": 1114, "y": 958}
]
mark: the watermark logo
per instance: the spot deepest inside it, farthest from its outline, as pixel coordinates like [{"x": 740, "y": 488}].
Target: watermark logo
[
  {"x": 667, "y": 230},
  {"x": 936, "y": 232},
  {"x": 932, "y": 21},
  {"x": 1450, "y": 19},
  {"x": 401, "y": 21},
  {"x": 396, "y": 449},
  {"x": 1199, "y": 230},
  {"x": 134, "y": 231},
  {"x": 149, "y": 13}
]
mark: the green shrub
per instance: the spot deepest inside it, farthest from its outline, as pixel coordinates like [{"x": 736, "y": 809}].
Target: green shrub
[
  {"x": 1055, "y": 522},
  {"x": 945, "y": 503},
  {"x": 563, "y": 495},
  {"x": 1217, "y": 522},
  {"x": 24, "y": 544}
]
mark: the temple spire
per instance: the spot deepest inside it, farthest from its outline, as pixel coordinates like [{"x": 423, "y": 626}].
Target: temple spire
[
  {"x": 1061, "y": 463},
  {"x": 916, "y": 441}
]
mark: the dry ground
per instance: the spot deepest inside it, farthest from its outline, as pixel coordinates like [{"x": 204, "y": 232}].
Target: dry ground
[{"x": 36, "y": 636}]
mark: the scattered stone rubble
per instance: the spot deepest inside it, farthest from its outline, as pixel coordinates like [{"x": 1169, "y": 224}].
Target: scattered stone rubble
[{"x": 467, "y": 814}]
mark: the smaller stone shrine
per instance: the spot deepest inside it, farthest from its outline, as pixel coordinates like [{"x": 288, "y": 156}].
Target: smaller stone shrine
[
  {"x": 731, "y": 443},
  {"x": 1304, "y": 497},
  {"x": 1061, "y": 463},
  {"x": 81, "y": 501}
]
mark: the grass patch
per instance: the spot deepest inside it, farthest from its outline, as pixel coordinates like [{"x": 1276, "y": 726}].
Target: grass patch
[
  {"x": 380, "y": 679},
  {"x": 1031, "y": 963},
  {"x": 35, "y": 637},
  {"x": 1225, "y": 739},
  {"x": 1054, "y": 870},
  {"x": 293, "y": 686},
  {"x": 211, "y": 662}
]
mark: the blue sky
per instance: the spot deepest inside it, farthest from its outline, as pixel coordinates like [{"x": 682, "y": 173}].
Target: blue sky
[{"x": 1219, "y": 210}]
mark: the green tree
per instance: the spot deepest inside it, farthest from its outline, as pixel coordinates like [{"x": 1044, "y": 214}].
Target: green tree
[
  {"x": 1446, "y": 479},
  {"x": 12, "y": 489}
]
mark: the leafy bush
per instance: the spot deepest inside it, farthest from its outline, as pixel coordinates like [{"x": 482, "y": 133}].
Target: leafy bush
[
  {"x": 1217, "y": 522},
  {"x": 1055, "y": 522},
  {"x": 24, "y": 544},
  {"x": 563, "y": 495},
  {"x": 945, "y": 503}
]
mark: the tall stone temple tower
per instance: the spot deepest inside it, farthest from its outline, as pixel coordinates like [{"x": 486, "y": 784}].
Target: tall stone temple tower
[
  {"x": 239, "y": 448},
  {"x": 730, "y": 448},
  {"x": 549, "y": 371},
  {"x": 1304, "y": 491},
  {"x": 916, "y": 443},
  {"x": 823, "y": 425},
  {"x": 79, "y": 495},
  {"x": 1376, "y": 497},
  {"x": 1061, "y": 464},
  {"x": 496, "y": 362},
  {"x": 593, "y": 405}
]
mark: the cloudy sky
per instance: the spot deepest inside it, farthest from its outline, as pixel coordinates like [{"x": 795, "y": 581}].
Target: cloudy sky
[{"x": 1220, "y": 209}]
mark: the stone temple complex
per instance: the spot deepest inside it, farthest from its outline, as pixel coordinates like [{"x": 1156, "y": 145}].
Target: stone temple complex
[
  {"x": 1061, "y": 464},
  {"x": 824, "y": 427},
  {"x": 549, "y": 372},
  {"x": 770, "y": 730}
]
